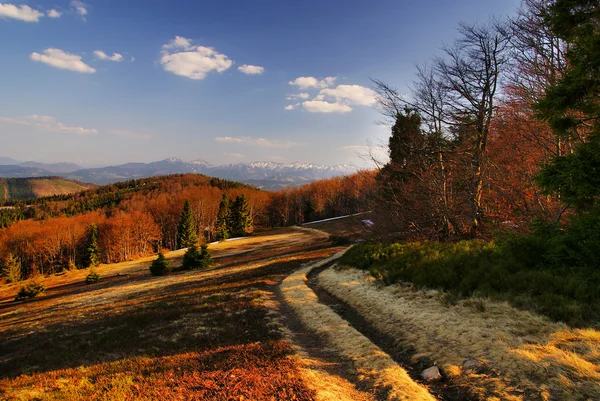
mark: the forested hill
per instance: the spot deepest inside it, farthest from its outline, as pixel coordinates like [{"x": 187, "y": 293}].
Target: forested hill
[
  {"x": 89, "y": 197},
  {"x": 29, "y": 188},
  {"x": 140, "y": 217}
]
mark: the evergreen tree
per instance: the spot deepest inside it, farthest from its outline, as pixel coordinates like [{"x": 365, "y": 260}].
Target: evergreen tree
[
  {"x": 11, "y": 269},
  {"x": 194, "y": 259},
  {"x": 186, "y": 232},
  {"x": 241, "y": 218},
  {"x": 572, "y": 105},
  {"x": 92, "y": 251},
  {"x": 224, "y": 219},
  {"x": 161, "y": 265}
]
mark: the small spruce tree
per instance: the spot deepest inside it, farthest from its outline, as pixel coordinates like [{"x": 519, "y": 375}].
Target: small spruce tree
[
  {"x": 223, "y": 219},
  {"x": 186, "y": 232},
  {"x": 197, "y": 259},
  {"x": 92, "y": 251},
  {"x": 11, "y": 269},
  {"x": 161, "y": 265}
]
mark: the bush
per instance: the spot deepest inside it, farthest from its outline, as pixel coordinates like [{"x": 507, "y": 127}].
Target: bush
[
  {"x": 550, "y": 274},
  {"x": 92, "y": 278},
  {"x": 194, "y": 259},
  {"x": 160, "y": 265},
  {"x": 31, "y": 290}
]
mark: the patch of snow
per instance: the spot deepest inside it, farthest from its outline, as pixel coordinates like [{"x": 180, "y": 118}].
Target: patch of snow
[
  {"x": 334, "y": 218},
  {"x": 368, "y": 223}
]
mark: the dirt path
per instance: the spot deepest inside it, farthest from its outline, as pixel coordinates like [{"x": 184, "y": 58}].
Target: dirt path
[{"x": 218, "y": 334}]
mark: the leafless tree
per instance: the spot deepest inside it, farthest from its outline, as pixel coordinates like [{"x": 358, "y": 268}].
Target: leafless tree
[{"x": 470, "y": 75}]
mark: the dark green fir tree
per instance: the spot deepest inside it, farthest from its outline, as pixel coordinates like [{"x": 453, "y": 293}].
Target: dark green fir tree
[
  {"x": 223, "y": 219},
  {"x": 241, "y": 217},
  {"x": 92, "y": 251},
  {"x": 186, "y": 231}
]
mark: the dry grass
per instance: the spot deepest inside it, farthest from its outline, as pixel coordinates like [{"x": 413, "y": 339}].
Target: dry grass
[
  {"x": 198, "y": 335},
  {"x": 369, "y": 360},
  {"x": 56, "y": 186},
  {"x": 523, "y": 356}
]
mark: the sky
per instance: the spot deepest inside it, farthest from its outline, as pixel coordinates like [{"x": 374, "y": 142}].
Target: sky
[{"x": 104, "y": 82}]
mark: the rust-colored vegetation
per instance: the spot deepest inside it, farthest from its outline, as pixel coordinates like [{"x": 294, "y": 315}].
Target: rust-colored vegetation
[{"x": 197, "y": 335}]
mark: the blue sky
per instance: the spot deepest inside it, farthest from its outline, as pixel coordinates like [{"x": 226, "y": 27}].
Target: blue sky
[{"x": 104, "y": 82}]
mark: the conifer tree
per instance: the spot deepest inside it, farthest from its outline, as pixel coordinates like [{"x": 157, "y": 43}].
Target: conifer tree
[
  {"x": 194, "y": 259},
  {"x": 186, "y": 232},
  {"x": 241, "y": 218},
  {"x": 11, "y": 269},
  {"x": 572, "y": 106},
  {"x": 160, "y": 265},
  {"x": 224, "y": 219},
  {"x": 92, "y": 251}
]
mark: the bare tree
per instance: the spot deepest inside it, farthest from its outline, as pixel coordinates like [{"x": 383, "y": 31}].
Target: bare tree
[{"x": 470, "y": 73}]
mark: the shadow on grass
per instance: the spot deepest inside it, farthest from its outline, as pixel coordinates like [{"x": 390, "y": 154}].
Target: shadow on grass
[{"x": 192, "y": 316}]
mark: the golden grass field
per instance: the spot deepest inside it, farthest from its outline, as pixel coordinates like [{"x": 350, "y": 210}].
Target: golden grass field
[
  {"x": 522, "y": 356},
  {"x": 217, "y": 334}
]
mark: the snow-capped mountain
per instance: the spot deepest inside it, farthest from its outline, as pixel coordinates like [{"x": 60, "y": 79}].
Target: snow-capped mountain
[{"x": 264, "y": 174}]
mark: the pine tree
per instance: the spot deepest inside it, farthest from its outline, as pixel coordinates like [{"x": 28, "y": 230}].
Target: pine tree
[
  {"x": 11, "y": 269},
  {"x": 160, "y": 265},
  {"x": 241, "y": 218},
  {"x": 572, "y": 106},
  {"x": 194, "y": 259},
  {"x": 223, "y": 219},
  {"x": 92, "y": 251},
  {"x": 186, "y": 232}
]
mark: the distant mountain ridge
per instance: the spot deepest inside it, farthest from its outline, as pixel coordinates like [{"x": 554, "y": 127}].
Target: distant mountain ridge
[{"x": 263, "y": 174}]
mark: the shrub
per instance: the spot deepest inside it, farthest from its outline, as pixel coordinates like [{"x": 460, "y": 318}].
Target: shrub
[
  {"x": 160, "y": 265},
  {"x": 194, "y": 259},
  {"x": 552, "y": 275},
  {"x": 93, "y": 277},
  {"x": 30, "y": 290}
]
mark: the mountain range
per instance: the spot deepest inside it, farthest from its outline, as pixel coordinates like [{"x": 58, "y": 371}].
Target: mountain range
[{"x": 264, "y": 174}]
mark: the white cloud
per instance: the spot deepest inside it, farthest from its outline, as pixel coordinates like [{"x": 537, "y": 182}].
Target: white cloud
[
  {"x": 319, "y": 106},
  {"x": 251, "y": 69},
  {"x": 63, "y": 60},
  {"x": 79, "y": 7},
  {"x": 182, "y": 58},
  {"x": 103, "y": 56},
  {"x": 311, "y": 82},
  {"x": 178, "y": 43},
  {"x": 53, "y": 13},
  {"x": 130, "y": 134},
  {"x": 22, "y": 13},
  {"x": 349, "y": 94},
  {"x": 260, "y": 142},
  {"x": 336, "y": 100},
  {"x": 292, "y": 106},
  {"x": 47, "y": 123},
  {"x": 295, "y": 96}
]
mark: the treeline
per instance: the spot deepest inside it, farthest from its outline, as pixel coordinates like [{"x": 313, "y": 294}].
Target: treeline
[
  {"x": 467, "y": 142},
  {"x": 323, "y": 199},
  {"x": 502, "y": 132},
  {"x": 141, "y": 217}
]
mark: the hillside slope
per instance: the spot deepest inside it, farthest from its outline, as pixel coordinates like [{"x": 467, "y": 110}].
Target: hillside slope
[{"x": 30, "y": 188}]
